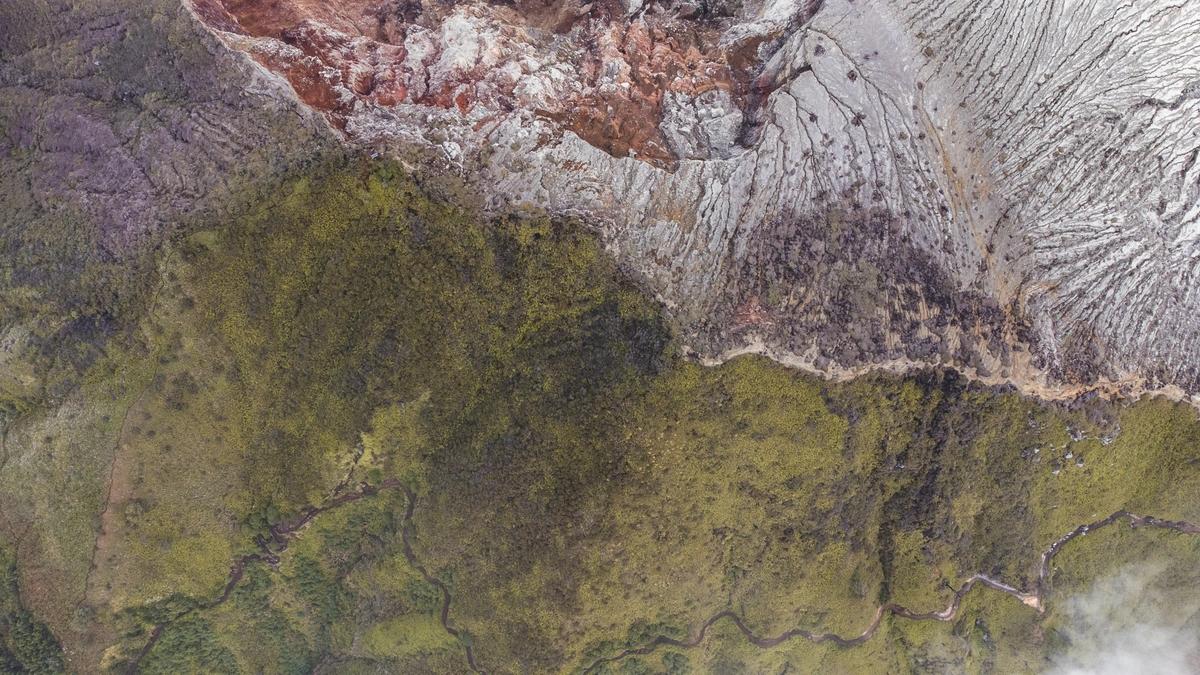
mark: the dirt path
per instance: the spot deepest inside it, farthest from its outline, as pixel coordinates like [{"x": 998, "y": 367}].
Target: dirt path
[
  {"x": 270, "y": 547},
  {"x": 279, "y": 536},
  {"x": 444, "y": 617},
  {"x": 1035, "y": 599},
  {"x": 119, "y": 487}
]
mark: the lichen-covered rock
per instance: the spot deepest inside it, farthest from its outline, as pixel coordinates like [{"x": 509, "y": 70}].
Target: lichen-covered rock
[
  {"x": 132, "y": 114},
  {"x": 119, "y": 123}
]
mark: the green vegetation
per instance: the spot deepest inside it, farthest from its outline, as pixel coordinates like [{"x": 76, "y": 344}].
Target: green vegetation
[
  {"x": 580, "y": 489},
  {"x": 26, "y": 644},
  {"x": 62, "y": 296},
  {"x": 189, "y": 646}
]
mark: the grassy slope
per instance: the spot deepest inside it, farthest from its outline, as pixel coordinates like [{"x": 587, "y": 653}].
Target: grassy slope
[{"x": 580, "y": 488}]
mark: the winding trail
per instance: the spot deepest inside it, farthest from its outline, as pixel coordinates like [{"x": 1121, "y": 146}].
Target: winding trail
[
  {"x": 269, "y": 549},
  {"x": 280, "y": 536},
  {"x": 1035, "y": 599},
  {"x": 461, "y": 636}
]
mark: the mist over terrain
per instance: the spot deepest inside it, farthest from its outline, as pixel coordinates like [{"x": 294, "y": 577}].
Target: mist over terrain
[{"x": 1119, "y": 627}]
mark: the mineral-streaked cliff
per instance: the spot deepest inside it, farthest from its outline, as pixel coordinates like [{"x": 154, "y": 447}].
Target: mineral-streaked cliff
[{"x": 1007, "y": 187}]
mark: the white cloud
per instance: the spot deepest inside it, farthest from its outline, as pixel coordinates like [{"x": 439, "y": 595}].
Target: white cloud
[{"x": 1119, "y": 628}]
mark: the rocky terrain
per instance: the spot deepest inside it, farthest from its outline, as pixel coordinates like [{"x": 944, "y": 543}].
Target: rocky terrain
[
  {"x": 1010, "y": 188},
  {"x": 369, "y": 336}
]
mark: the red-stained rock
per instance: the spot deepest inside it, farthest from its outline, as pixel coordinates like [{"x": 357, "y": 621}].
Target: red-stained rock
[{"x": 613, "y": 70}]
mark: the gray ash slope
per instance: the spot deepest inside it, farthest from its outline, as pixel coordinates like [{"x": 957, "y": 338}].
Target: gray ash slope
[{"x": 1008, "y": 188}]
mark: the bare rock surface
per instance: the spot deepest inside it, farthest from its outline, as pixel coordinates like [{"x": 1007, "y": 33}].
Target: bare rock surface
[{"x": 1009, "y": 188}]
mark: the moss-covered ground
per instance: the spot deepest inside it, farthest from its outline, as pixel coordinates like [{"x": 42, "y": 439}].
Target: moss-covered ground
[{"x": 580, "y": 488}]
